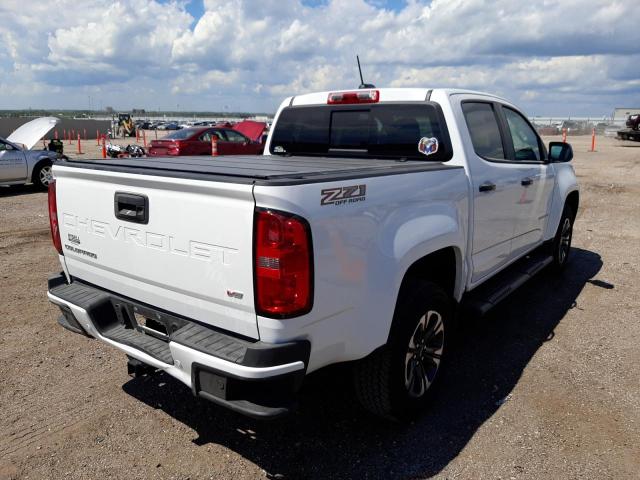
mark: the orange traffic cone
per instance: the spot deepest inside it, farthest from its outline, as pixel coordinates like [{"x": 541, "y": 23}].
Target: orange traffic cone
[{"x": 214, "y": 146}]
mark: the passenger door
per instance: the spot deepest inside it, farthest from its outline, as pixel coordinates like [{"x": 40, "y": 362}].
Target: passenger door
[
  {"x": 225, "y": 147},
  {"x": 13, "y": 163},
  {"x": 496, "y": 184},
  {"x": 202, "y": 144},
  {"x": 536, "y": 183},
  {"x": 238, "y": 142}
]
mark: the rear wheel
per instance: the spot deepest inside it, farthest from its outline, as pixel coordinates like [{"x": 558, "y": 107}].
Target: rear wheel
[
  {"x": 398, "y": 379},
  {"x": 42, "y": 176}
]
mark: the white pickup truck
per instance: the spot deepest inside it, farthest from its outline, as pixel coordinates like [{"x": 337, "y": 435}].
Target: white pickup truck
[{"x": 375, "y": 219}]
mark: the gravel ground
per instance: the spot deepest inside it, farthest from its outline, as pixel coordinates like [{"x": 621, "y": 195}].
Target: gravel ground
[{"x": 546, "y": 386}]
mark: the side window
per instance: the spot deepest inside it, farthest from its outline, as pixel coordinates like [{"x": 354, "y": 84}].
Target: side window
[
  {"x": 6, "y": 146},
  {"x": 483, "y": 127},
  {"x": 206, "y": 136},
  {"x": 235, "y": 137},
  {"x": 525, "y": 140}
]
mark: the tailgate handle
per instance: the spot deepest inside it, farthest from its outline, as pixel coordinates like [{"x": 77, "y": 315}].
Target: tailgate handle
[{"x": 131, "y": 207}]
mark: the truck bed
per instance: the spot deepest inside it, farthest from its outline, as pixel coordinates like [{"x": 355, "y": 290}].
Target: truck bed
[{"x": 271, "y": 170}]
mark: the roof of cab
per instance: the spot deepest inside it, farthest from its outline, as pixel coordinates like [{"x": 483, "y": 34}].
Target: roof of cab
[{"x": 386, "y": 95}]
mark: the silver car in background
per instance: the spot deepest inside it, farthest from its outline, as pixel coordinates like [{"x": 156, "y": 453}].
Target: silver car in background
[{"x": 18, "y": 163}]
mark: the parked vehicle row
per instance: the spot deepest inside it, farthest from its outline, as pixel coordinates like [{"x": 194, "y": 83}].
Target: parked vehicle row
[{"x": 176, "y": 125}]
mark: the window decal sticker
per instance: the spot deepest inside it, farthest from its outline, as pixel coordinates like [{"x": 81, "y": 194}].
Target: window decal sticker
[{"x": 428, "y": 146}]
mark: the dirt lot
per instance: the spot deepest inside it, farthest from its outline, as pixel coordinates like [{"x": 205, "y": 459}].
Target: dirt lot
[{"x": 547, "y": 386}]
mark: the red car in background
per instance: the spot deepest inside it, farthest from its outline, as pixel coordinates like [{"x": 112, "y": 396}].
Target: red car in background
[{"x": 197, "y": 141}]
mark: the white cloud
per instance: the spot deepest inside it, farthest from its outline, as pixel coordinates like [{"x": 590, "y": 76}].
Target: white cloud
[
  {"x": 210, "y": 81},
  {"x": 564, "y": 56}
]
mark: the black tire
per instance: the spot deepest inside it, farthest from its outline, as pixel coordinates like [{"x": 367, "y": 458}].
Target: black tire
[
  {"x": 393, "y": 381},
  {"x": 42, "y": 176},
  {"x": 561, "y": 245}
]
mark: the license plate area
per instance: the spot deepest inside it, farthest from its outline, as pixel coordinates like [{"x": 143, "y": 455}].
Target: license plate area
[
  {"x": 151, "y": 325},
  {"x": 147, "y": 320}
]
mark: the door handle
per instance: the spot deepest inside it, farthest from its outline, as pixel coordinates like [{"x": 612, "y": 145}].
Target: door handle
[
  {"x": 526, "y": 181},
  {"x": 131, "y": 207},
  {"x": 487, "y": 187}
]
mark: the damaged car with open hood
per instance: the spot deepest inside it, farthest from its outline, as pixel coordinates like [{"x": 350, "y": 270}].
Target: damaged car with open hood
[{"x": 19, "y": 164}]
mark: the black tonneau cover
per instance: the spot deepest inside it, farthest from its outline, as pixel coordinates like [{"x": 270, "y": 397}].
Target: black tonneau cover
[{"x": 259, "y": 169}]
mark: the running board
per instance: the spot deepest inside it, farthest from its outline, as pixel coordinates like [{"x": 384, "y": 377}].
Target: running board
[{"x": 482, "y": 299}]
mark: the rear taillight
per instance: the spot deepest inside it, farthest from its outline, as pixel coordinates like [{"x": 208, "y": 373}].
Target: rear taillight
[
  {"x": 53, "y": 217},
  {"x": 283, "y": 264},
  {"x": 359, "y": 96}
]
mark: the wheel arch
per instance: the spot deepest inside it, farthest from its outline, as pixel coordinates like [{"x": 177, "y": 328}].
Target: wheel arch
[
  {"x": 442, "y": 267},
  {"x": 39, "y": 163},
  {"x": 566, "y": 191},
  {"x": 573, "y": 200}
]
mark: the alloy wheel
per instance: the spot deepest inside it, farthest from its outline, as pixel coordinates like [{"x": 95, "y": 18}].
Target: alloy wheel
[
  {"x": 46, "y": 175},
  {"x": 423, "y": 356},
  {"x": 565, "y": 240}
]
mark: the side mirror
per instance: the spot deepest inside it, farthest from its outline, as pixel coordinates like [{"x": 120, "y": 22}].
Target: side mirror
[{"x": 560, "y": 152}]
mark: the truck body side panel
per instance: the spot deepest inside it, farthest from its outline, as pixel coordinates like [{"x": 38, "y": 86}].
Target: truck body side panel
[{"x": 362, "y": 246}]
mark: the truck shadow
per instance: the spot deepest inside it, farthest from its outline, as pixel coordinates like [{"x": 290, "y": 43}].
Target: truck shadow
[
  {"x": 17, "y": 190},
  {"x": 330, "y": 437}
]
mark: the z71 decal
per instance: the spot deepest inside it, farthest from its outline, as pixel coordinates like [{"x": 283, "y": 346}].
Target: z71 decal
[{"x": 343, "y": 195}]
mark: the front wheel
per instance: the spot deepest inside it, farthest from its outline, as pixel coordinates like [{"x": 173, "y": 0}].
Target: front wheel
[
  {"x": 561, "y": 244},
  {"x": 42, "y": 176},
  {"x": 398, "y": 379}
]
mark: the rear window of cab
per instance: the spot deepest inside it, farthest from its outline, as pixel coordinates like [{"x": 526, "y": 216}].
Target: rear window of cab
[{"x": 409, "y": 131}]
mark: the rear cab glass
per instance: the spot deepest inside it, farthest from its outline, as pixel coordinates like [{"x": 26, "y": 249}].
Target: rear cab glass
[{"x": 400, "y": 131}]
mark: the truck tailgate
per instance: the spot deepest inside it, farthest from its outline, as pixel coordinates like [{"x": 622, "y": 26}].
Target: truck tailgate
[{"x": 192, "y": 257}]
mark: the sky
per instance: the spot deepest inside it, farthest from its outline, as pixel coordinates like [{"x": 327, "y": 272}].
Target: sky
[{"x": 550, "y": 57}]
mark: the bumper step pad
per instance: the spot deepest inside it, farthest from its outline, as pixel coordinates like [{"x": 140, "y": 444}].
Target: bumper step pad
[
  {"x": 211, "y": 342},
  {"x": 99, "y": 306},
  {"x": 114, "y": 317},
  {"x": 140, "y": 340},
  {"x": 106, "y": 312}
]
